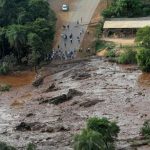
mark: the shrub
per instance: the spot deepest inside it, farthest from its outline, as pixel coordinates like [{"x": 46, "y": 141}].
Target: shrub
[
  {"x": 4, "y": 146},
  {"x": 143, "y": 37},
  {"x": 31, "y": 146},
  {"x": 99, "y": 135},
  {"x": 98, "y": 45},
  {"x": 111, "y": 53},
  {"x": 5, "y": 87},
  {"x": 143, "y": 59},
  {"x": 108, "y": 130},
  {"x": 88, "y": 140},
  {"x": 101, "y": 45},
  {"x": 127, "y": 57},
  {"x": 4, "y": 69},
  {"x": 145, "y": 130},
  {"x": 99, "y": 29}
]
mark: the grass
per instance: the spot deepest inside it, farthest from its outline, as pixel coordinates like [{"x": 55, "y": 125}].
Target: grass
[{"x": 100, "y": 45}]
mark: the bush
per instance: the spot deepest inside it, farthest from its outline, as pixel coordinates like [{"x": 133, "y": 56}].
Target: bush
[
  {"x": 88, "y": 140},
  {"x": 101, "y": 45},
  {"x": 4, "y": 146},
  {"x": 5, "y": 87},
  {"x": 100, "y": 134},
  {"x": 128, "y": 57},
  {"x": 143, "y": 59},
  {"x": 31, "y": 146},
  {"x": 108, "y": 130},
  {"x": 145, "y": 130},
  {"x": 4, "y": 69},
  {"x": 111, "y": 53}
]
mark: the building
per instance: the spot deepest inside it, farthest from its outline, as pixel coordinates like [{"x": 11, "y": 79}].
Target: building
[{"x": 124, "y": 27}]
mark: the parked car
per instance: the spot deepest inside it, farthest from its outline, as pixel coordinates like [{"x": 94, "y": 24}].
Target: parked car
[{"x": 65, "y": 7}]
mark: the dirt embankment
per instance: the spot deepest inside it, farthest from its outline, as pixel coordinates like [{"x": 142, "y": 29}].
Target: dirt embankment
[{"x": 89, "y": 39}]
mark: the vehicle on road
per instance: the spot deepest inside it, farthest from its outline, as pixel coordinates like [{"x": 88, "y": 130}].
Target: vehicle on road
[{"x": 65, "y": 7}]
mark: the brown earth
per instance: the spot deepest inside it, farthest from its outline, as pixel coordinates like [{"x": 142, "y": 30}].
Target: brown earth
[{"x": 120, "y": 93}]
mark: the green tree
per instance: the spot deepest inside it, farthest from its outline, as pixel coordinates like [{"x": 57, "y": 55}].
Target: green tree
[
  {"x": 39, "y": 9},
  {"x": 19, "y": 18},
  {"x": 2, "y": 41},
  {"x": 16, "y": 35},
  {"x": 36, "y": 47},
  {"x": 124, "y": 8}
]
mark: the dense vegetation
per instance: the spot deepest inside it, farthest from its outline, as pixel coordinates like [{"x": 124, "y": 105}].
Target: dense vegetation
[
  {"x": 99, "y": 134},
  {"x": 143, "y": 55},
  {"x": 26, "y": 31},
  {"x": 127, "y": 8},
  {"x": 128, "y": 56}
]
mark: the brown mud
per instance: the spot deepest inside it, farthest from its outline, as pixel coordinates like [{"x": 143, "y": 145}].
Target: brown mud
[
  {"x": 18, "y": 79},
  {"x": 111, "y": 91}
]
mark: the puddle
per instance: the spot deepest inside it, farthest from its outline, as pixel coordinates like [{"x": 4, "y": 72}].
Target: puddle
[{"x": 18, "y": 79}]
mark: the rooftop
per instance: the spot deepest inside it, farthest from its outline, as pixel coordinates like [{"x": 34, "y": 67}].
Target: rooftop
[{"x": 126, "y": 23}]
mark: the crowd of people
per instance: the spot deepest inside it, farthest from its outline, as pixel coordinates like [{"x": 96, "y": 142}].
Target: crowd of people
[{"x": 69, "y": 43}]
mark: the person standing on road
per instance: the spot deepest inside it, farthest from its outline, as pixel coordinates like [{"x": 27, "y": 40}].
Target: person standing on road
[
  {"x": 68, "y": 26},
  {"x": 81, "y": 19},
  {"x": 70, "y": 36},
  {"x": 77, "y": 22},
  {"x": 64, "y": 27},
  {"x": 78, "y": 39},
  {"x": 80, "y": 32}
]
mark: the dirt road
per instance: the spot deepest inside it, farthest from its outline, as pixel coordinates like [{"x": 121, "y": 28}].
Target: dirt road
[{"x": 81, "y": 11}]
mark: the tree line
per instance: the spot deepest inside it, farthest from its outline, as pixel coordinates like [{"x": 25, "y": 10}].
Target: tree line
[
  {"x": 27, "y": 30},
  {"x": 127, "y": 8}
]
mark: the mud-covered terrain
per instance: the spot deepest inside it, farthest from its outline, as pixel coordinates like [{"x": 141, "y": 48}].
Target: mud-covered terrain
[{"x": 96, "y": 88}]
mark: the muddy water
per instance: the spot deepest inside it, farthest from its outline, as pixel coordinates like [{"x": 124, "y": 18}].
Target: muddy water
[
  {"x": 18, "y": 79},
  {"x": 144, "y": 79}
]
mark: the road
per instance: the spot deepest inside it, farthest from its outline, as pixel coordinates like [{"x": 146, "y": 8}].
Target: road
[{"x": 81, "y": 9}]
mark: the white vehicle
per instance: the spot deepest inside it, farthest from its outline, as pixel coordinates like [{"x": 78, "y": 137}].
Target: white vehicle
[{"x": 65, "y": 7}]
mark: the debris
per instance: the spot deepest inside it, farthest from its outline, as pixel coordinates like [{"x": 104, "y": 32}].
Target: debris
[
  {"x": 62, "y": 98},
  {"x": 81, "y": 76},
  {"x": 90, "y": 103},
  {"x": 38, "y": 81}
]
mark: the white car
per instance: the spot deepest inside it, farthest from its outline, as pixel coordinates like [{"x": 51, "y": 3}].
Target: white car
[{"x": 65, "y": 7}]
